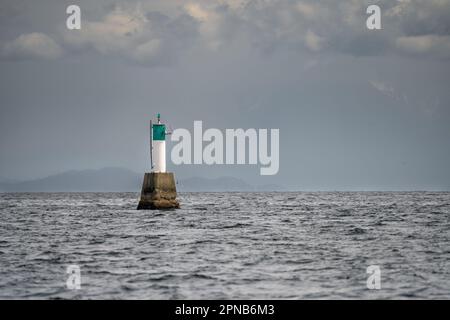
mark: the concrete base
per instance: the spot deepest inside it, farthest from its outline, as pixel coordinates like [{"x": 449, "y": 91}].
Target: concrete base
[{"x": 158, "y": 191}]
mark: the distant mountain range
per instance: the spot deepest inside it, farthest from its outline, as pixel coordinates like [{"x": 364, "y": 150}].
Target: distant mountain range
[
  {"x": 107, "y": 179},
  {"x": 120, "y": 179}
]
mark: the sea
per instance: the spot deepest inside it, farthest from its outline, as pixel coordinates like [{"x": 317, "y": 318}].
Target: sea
[{"x": 281, "y": 245}]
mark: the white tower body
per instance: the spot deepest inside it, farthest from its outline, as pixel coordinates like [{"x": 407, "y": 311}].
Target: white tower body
[
  {"x": 158, "y": 145},
  {"x": 159, "y": 156}
]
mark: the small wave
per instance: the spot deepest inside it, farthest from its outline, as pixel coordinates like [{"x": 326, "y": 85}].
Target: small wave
[
  {"x": 357, "y": 230},
  {"x": 231, "y": 226},
  {"x": 200, "y": 276}
]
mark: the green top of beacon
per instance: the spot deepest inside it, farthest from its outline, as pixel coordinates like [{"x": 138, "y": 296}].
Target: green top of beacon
[{"x": 159, "y": 130}]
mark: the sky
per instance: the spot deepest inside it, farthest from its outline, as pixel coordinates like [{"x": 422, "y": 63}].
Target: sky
[{"x": 357, "y": 109}]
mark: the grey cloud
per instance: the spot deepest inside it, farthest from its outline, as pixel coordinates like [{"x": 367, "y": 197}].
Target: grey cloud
[
  {"x": 159, "y": 32},
  {"x": 383, "y": 88},
  {"x": 424, "y": 104},
  {"x": 418, "y": 18},
  {"x": 363, "y": 44},
  {"x": 32, "y": 45},
  {"x": 323, "y": 26},
  {"x": 131, "y": 32},
  {"x": 437, "y": 46}
]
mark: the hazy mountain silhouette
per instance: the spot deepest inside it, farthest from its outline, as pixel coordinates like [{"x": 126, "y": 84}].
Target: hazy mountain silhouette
[
  {"x": 119, "y": 179},
  {"x": 7, "y": 180},
  {"x": 107, "y": 179}
]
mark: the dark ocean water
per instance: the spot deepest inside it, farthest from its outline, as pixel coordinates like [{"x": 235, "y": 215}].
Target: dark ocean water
[{"x": 226, "y": 245}]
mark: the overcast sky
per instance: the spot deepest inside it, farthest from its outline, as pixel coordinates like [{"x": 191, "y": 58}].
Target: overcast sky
[{"x": 357, "y": 109}]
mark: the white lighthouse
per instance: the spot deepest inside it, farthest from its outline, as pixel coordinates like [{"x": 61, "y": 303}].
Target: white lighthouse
[{"x": 158, "y": 146}]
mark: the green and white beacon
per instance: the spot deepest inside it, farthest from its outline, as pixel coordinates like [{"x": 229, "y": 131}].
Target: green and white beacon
[{"x": 158, "y": 188}]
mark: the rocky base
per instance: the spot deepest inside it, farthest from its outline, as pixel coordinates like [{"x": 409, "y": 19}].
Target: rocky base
[
  {"x": 158, "y": 204},
  {"x": 158, "y": 192}
]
